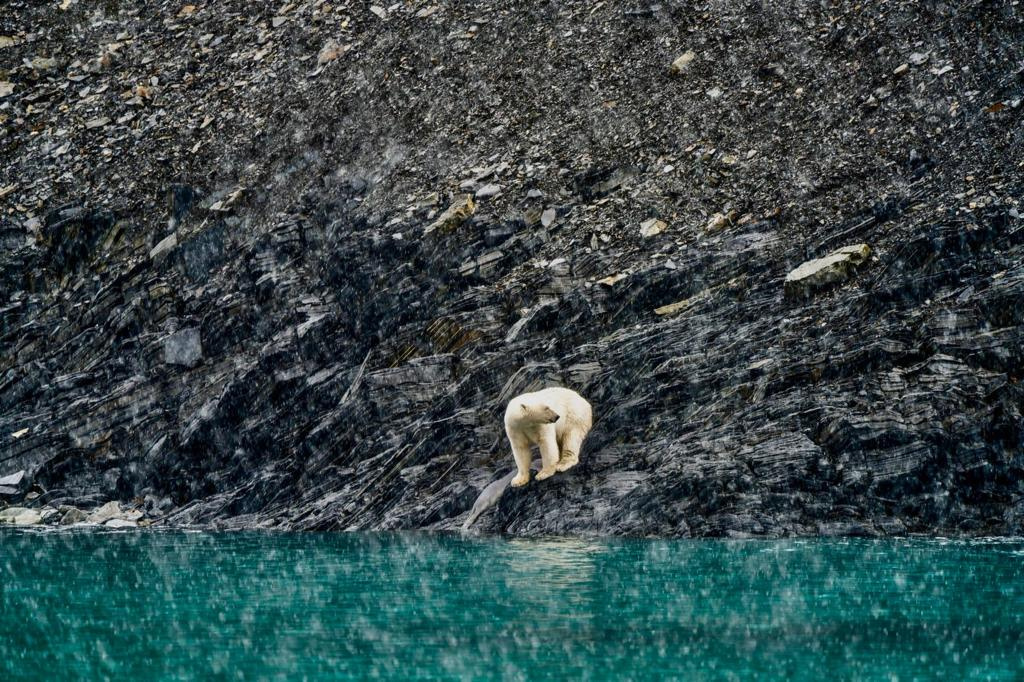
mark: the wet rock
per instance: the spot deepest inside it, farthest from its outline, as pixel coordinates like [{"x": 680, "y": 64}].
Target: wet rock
[
  {"x": 120, "y": 523},
  {"x": 20, "y": 516},
  {"x": 72, "y": 234},
  {"x": 72, "y": 515},
  {"x": 822, "y": 272},
  {"x": 183, "y": 347},
  {"x": 158, "y": 506},
  {"x": 110, "y": 510},
  {"x": 489, "y": 496},
  {"x": 180, "y": 200},
  {"x": 202, "y": 252}
]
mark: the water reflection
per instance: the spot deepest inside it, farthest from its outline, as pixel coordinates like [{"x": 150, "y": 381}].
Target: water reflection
[{"x": 255, "y": 605}]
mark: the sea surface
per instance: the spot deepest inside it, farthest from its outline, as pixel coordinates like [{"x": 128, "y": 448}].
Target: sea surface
[{"x": 250, "y": 605}]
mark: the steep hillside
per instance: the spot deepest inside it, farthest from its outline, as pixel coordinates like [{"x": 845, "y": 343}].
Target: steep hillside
[{"x": 242, "y": 281}]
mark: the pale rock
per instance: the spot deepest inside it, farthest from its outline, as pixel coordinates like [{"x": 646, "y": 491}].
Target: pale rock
[
  {"x": 612, "y": 279},
  {"x": 44, "y": 64},
  {"x": 13, "y": 479},
  {"x": 652, "y": 227},
  {"x": 488, "y": 191},
  {"x": 110, "y": 510},
  {"x": 454, "y": 216},
  {"x": 72, "y": 516},
  {"x": 165, "y": 246},
  {"x": 719, "y": 220},
  {"x": 820, "y": 272},
  {"x": 330, "y": 51},
  {"x": 20, "y": 516},
  {"x": 681, "y": 62},
  {"x": 548, "y": 217}
]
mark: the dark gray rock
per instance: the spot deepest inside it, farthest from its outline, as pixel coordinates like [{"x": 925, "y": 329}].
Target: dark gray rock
[{"x": 183, "y": 347}]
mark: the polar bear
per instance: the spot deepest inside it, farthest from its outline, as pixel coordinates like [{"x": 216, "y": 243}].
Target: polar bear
[{"x": 556, "y": 420}]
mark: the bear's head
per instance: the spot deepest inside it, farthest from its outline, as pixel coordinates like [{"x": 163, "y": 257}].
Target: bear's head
[{"x": 537, "y": 413}]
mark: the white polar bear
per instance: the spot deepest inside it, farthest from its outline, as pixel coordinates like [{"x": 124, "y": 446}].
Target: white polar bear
[{"x": 554, "y": 419}]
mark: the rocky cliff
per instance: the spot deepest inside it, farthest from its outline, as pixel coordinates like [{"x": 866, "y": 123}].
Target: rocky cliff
[{"x": 282, "y": 265}]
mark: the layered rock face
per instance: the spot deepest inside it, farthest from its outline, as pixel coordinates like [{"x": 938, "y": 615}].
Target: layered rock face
[{"x": 284, "y": 266}]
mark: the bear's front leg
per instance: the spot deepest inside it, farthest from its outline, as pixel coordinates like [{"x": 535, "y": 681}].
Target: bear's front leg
[
  {"x": 548, "y": 453},
  {"x": 521, "y": 453}
]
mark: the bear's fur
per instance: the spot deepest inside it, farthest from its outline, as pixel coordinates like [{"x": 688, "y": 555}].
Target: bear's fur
[{"x": 556, "y": 420}]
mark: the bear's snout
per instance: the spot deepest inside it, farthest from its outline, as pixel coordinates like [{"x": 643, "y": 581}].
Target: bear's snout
[{"x": 556, "y": 418}]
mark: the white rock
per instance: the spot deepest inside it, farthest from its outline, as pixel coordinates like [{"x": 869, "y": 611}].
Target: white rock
[
  {"x": 331, "y": 50},
  {"x": 108, "y": 511},
  {"x": 165, "y": 246},
  {"x": 649, "y": 228},
  {"x": 719, "y": 220},
  {"x": 21, "y": 516},
  {"x": 548, "y": 217},
  {"x": 13, "y": 479},
  {"x": 682, "y": 61},
  {"x": 488, "y": 191},
  {"x": 612, "y": 279},
  {"x": 820, "y": 272}
]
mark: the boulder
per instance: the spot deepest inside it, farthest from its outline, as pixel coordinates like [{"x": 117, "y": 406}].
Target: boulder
[
  {"x": 183, "y": 347},
  {"x": 453, "y": 217},
  {"x": 73, "y": 515},
  {"x": 21, "y": 516},
  {"x": 821, "y": 272},
  {"x": 110, "y": 510}
]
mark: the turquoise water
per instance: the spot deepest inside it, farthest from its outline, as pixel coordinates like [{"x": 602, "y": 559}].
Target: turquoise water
[{"x": 147, "y": 605}]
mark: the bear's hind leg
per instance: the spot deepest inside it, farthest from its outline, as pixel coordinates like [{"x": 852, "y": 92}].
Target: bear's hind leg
[
  {"x": 569, "y": 456},
  {"x": 548, "y": 453}
]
